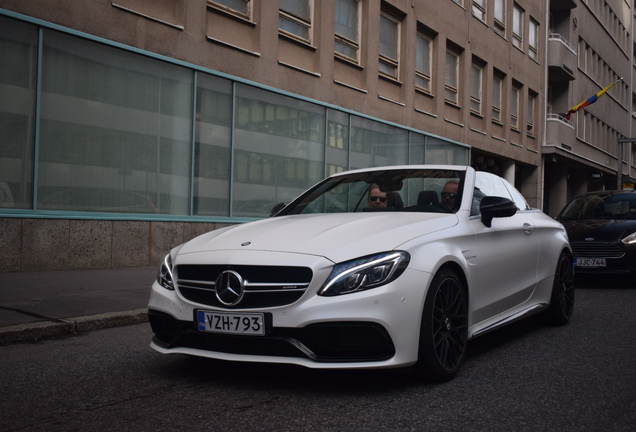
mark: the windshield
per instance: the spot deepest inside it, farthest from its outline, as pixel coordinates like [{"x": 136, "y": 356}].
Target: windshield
[
  {"x": 398, "y": 190},
  {"x": 601, "y": 206}
]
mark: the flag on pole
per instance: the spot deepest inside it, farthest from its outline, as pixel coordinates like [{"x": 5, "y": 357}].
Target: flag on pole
[{"x": 590, "y": 101}]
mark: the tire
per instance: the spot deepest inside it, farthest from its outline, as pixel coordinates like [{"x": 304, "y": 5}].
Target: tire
[
  {"x": 562, "y": 299},
  {"x": 444, "y": 328}
]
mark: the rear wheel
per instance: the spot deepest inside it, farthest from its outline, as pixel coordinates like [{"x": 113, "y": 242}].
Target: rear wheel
[
  {"x": 562, "y": 300},
  {"x": 443, "y": 332}
]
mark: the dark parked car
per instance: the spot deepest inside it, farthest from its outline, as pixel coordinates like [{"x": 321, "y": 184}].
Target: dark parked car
[{"x": 602, "y": 230}]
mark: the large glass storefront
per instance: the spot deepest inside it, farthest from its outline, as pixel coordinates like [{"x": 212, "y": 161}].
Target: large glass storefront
[{"x": 88, "y": 127}]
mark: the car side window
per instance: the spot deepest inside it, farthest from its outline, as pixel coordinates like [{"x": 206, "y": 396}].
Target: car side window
[
  {"x": 518, "y": 199},
  {"x": 487, "y": 184}
]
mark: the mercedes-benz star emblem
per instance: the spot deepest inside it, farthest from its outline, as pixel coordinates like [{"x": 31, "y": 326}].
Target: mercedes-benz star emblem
[{"x": 229, "y": 288}]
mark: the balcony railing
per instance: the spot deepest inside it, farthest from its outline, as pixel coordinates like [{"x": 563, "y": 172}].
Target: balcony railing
[
  {"x": 562, "y": 60},
  {"x": 560, "y": 118},
  {"x": 564, "y": 41}
]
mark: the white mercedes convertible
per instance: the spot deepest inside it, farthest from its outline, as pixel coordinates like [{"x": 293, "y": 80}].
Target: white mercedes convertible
[{"x": 374, "y": 268}]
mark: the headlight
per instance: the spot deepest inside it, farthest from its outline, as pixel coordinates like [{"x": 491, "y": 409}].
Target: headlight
[
  {"x": 365, "y": 273},
  {"x": 164, "y": 277},
  {"x": 630, "y": 239}
]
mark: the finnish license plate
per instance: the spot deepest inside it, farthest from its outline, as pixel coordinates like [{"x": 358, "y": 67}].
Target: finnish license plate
[
  {"x": 231, "y": 323},
  {"x": 589, "y": 262}
]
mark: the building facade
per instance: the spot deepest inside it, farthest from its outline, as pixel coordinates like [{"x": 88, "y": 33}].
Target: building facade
[
  {"x": 590, "y": 47},
  {"x": 129, "y": 126}
]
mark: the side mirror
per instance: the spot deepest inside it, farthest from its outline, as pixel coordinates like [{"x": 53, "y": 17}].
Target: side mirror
[{"x": 495, "y": 207}]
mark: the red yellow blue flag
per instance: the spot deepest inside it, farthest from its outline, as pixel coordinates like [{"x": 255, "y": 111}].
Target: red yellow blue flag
[{"x": 589, "y": 101}]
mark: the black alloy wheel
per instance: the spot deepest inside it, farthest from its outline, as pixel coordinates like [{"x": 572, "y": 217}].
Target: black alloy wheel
[
  {"x": 444, "y": 328},
  {"x": 561, "y": 306}
]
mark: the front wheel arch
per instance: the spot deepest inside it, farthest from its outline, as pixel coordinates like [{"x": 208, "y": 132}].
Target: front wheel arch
[
  {"x": 443, "y": 334},
  {"x": 562, "y": 296}
]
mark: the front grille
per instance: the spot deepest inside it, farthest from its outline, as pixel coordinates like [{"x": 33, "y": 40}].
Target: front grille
[
  {"x": 265, "y": 286},
  {"x": 596, "y": 250}
]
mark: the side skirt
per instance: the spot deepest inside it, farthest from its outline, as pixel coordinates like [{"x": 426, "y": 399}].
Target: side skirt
[{"x": 512, "y": 318}]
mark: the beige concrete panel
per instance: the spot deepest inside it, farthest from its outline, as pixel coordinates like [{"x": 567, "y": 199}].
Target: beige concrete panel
[
  {"x": 223, "y": 27},
  {"x": 192, "y": 230},
  {"x": 168, "y": 11},
  {"x": 164, "y": 236},
  {"x": 45, "y": 244},
  {"x": 90, "y": 244},
  {"x": 131, "y": 241},
  {"x": 10, "y": 245},
  {"x": 391, "y": 91}
]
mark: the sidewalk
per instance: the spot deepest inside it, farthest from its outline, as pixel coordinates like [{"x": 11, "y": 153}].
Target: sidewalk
[{"x": 59, "y": 303}]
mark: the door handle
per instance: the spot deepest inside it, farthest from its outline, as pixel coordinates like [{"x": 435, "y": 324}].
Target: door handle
[{"x": 527, "y": 228}]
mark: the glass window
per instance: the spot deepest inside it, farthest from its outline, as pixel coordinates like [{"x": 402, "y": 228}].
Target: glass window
[
  {"x": 438, "y": 152},
  {"x": 530, "y": 115},
  {"x": 452, "y": 75},
  {"x": 337, "y": 142},
  {"x": 18, "y": 51},
  {"x": 517, "y": 26},
  {"x": 423, "y": 62},
  {"x": 517, "y": 198},
  {"x": 377, "y": 144},
  {"x": 487, "y": 184},
  {"x": 389, "y": 45},
  {"x": 500, "y": 17},
  {"x": 601, "y": 205},
  {"x": 347, "y": 29},
  {"x": 295, "y": 18},
  {"x": 479, "y": 9},
  {"x": 475, "y": 88},
  {"x": 115, "y": 131},
  {"x": 533, "y": 40},
  {"x": 278, "y": 150},
  {"x": 514, "y": 108},
  {"x": 119, "y": 132},
  {"x": 212, "y": 147},
  {"x": 242, "y": 7},
  {"x": 392, "y": 190},
  {"x": 497, "y": 85}
]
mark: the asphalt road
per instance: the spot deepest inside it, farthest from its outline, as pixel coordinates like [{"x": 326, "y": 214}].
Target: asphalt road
[{"x": 581, "y": 377}]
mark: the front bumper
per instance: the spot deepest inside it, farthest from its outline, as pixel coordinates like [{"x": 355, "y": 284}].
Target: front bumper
[
  {"x": 378, "y": 328},
  {"x": 324, "y": 342},
  {"x": 619, "y": 259}
]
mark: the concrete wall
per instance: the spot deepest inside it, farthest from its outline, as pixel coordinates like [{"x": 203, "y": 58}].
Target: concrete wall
[{"x": 62, "y": 244}]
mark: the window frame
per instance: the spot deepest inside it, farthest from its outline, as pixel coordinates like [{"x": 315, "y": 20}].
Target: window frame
[
  {"x": 422, "y": 76},
  {"x": 354, "y": 45},
  {"x": 384, "y": 61},
  {"x": 299, "y": 21},
  {"x": 515, "y": 97},
  {"x": 479, "y": 9},
  {"x": 499, "y": 23},
  {"x": 517, "y": 26},
  {"x": 531, "y": 115},
  {"x": 476, "y": 98},
  {"x": 496, "y": 104},
  {"x": 222, "y": 5},
  {"x": 533, "y": 39},
  {"x": 452, "y": 88}
]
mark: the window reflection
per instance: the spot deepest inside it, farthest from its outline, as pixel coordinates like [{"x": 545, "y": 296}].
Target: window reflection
[
  {"x": 18, "y": 51},
  {"x": 115, "y": 124},
  {"x": 119, "y": 132}
]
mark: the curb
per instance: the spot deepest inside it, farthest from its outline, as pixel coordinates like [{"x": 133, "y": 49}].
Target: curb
[{"x": 69, "y": 326}]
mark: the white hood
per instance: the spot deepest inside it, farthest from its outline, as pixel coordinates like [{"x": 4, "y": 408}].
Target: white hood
[{"x": 337, "y": 237}]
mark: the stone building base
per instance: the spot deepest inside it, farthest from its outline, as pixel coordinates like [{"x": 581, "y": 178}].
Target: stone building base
[{"x": 67, "y": 244}]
